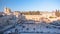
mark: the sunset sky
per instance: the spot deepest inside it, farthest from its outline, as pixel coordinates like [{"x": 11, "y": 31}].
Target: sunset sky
[{"x": 30, "y": 5}]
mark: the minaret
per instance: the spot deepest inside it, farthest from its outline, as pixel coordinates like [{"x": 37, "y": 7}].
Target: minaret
[{"x": 7, "y": 10}]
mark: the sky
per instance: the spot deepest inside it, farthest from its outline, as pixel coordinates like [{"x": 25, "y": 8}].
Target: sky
[{"x": 30, "y": 5}]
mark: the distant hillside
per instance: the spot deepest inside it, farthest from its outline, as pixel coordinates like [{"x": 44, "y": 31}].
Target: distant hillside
[{"x": 31, "y": 13}]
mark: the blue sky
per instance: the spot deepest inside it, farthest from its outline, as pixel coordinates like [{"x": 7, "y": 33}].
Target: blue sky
[{"x": 27, "y": 5}]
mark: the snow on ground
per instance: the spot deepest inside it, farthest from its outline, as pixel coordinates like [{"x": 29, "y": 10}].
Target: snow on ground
[{"x": 35, "y": 29}]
